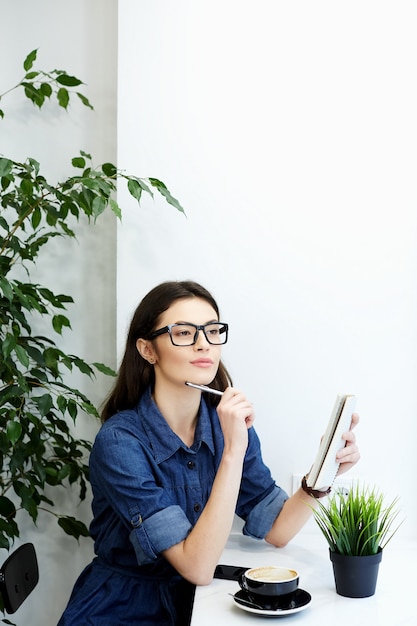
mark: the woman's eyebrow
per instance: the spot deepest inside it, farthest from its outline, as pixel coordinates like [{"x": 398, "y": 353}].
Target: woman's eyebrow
[{"x": 193, "y": 324}]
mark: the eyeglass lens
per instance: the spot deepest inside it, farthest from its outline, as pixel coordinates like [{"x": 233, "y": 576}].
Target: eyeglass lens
[{"x": 186, "y": 334}]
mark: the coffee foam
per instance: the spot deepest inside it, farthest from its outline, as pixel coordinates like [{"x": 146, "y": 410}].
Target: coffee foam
[{"x": 271, "y": 574}]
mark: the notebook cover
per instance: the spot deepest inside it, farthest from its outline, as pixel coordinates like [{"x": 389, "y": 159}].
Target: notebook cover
[{"x": 325, "y": 467}]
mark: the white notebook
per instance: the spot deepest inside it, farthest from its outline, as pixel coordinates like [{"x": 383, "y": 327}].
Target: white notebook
[{"x": 325, "y": 467}]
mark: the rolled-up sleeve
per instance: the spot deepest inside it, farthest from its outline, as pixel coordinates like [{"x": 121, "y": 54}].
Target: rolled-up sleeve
[
  {"x": 130, "y": 499},
  {"x": 159, "y": 532},
  {"x": 260, "y": 519}
]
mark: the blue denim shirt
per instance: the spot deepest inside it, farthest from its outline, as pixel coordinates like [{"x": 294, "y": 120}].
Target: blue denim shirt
[{"x": 149, "y": 490}]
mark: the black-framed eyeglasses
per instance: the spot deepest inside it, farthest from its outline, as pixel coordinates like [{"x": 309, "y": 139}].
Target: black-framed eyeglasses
[{"x": 187, "y": 334}]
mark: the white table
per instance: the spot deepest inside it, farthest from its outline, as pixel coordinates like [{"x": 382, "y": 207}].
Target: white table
[{"x": 394, "y": 602}]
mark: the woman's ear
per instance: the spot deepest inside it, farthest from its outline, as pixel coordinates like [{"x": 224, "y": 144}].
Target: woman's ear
[{"x": 146, "y": 350}]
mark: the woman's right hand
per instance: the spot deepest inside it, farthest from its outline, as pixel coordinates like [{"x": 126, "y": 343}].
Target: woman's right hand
[{"x": 236, "y": 416}]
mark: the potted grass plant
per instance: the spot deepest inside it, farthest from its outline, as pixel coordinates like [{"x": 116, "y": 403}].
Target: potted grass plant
[{"x": 357, "y": 526}]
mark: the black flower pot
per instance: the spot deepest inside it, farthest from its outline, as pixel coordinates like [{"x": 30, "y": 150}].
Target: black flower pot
[{"x": 355, "y": 576}]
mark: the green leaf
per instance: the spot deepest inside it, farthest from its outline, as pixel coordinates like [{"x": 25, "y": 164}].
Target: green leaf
[
  {"x": 6, "y": 166},
  {"x": 4, "y": 545},
  {"x": 109, "y": 169},
  {"x": 51, "y": 359},
  {"x": 63, "y": 97},
  {"x": 59, "y": 321},
  {"x": 33, "y": 94},
  {"x": 46, "y": 89},
  {"x": 34, "y": 165},
  {"x": 6, "y": 289},
  {"x": 115, "y": 208},
  {"x": 8, "y": 394},
  {"x": 7, "y": 508},
  {"x": 99, "y": 206},
  {"x": 72, "y": 409},
  {"x": 8, "y": 345},
  {"x": 161, "y": 187},
  {"x": 30, "y": 59},
  {"x": 29, "y": 499},
  {"x": 73, "y": 527},
  {"x": 31, "y": 75},
  {"x": 89, "y": 409},
  {"x": 84, "y": 100},
  {"x": 62, "y": 404},
  {"x": 22, "y": 355},
  {"x": 68, "y": 81},
  {"x": 56, "y": 300},
  {"x": 36, "y": 218},
  {"x": 135, "y": 188},
  {"x": 78, "y": 162},
  {"x": 44, "y": 403},
  {"x": 26, "y": 187},
  {"x": 40, "y": 471},
  {"x": 64, "y": 472},
  {"x": 83, "y": 366},
  {"x": 90, "y": 183},
  {"x": 104, "y": 369},
  {"x": 13, "y": 431}
]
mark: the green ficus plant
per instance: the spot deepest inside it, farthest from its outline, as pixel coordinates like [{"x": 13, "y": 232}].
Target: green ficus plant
[
  {"x": 37, "y": 406},
  {"x": 39, "y": 85}
]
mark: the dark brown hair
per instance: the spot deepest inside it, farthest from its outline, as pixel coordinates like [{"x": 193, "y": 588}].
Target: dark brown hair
[{"x": 135, "y": 373}]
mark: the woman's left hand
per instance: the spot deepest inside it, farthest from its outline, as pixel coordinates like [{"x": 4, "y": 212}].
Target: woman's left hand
[{"x": 349, "y": 455}]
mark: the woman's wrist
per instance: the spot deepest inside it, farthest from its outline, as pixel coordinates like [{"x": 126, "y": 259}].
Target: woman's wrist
[{"x": 314, "y": 493}]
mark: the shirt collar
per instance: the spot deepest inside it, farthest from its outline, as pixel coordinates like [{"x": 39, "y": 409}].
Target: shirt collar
[{"x": 163, "y": 439}]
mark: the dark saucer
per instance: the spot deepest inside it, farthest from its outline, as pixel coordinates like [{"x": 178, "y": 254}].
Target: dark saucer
[{"x": 291, "y": 603}]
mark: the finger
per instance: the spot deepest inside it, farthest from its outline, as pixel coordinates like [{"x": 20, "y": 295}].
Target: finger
[
  {"x": 348, "y": 454},
  {"x": 235, "y": 404},
  {"x": 236, "y": 400},
  {"x": 349, "y": 437},
  {"x": 228, "y": 393},
  {"x": 232, "y": 395},
  {"x": 354, "y": 421}
]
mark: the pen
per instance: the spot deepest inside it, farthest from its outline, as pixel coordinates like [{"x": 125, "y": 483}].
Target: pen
[{"x": 216, "y": 392}]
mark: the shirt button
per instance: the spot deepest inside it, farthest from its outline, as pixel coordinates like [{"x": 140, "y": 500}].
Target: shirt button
[
  {"x": 191, "y": 465},
  {"x": 197, "y": 507}
]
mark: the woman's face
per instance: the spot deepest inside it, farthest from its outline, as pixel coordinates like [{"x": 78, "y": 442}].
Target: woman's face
[{"x": 177, "y": 364}]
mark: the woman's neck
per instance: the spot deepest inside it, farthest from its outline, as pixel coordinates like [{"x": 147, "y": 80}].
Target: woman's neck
[{"x": 180, "y": 410}]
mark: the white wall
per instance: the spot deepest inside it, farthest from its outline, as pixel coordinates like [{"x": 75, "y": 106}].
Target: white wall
[
  {"x": 80, "y": 37},
  {"x": 288, "y": 131}
]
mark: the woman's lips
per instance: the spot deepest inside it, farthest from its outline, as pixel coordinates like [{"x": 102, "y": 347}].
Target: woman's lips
[{"x": 202, "y": 362}]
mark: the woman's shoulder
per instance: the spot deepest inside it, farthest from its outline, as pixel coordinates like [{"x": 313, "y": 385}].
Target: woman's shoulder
[{"x": 122, "y": 423}]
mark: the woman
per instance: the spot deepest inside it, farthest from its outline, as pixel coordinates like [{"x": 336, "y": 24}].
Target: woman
[{"x": 171, "y": 466}]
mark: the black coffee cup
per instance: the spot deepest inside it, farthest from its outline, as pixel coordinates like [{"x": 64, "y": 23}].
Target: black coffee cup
[{"x": 269, "y": 586}]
